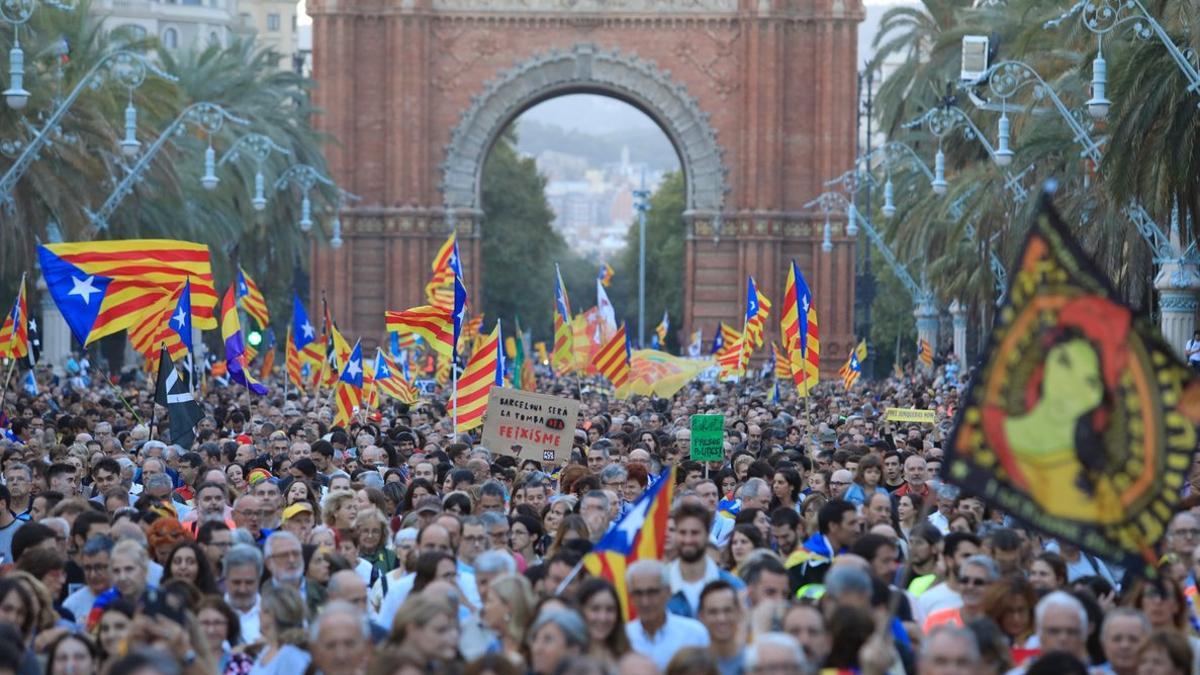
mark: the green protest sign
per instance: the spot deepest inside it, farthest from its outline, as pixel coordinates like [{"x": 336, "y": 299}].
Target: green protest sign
[{"x": 708, "y": 438}]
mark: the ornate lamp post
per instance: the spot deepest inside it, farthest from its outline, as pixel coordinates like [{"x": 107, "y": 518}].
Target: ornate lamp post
[
  {"x": 259, "y": 147},
  {"x": 127, "y": 68},
  {"x": 208, "y": 116}
]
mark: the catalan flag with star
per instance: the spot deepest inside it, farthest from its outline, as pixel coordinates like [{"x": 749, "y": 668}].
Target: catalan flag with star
[
  {"x": 447, "y": 266},
  {"x": 801, "y": 337},
  {"x": 291, "y": 360},
  {"x": 252, "y": 299},
  {"x": 390, "y": 381},
  {"x": 641, "y": 534},
  {"x": 852, "y": 369},
  {"x": 924, "y": 352},
  {"x": 484, "y": 371},
  {"x": 162, "y": 327},
  {"x": 439, "y": 326},
  {"x": 756, "y": 322},
  {"x": 105, "y": 287},
  {"x": 14, "y": 333},
  {"x": 348, "y": 396},
  {"x": 613, "y": 361}
]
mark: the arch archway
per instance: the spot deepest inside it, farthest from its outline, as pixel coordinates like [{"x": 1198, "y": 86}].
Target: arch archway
[
  {"x": 758, "y": 99},
  {"x": 585, "y": 69}
]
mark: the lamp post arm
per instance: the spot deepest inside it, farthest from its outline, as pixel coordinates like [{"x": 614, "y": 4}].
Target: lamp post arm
[
  {"x": 30, "y": 154},
  {"x": 208, "y": 115},
  {"x": 258, "y": 146},
  {"x": 892, "y": 148},
  {"x": 942, "y": 120},
  {"x": 920, "y": 294},
  {"x": 1104, "y": 16}
]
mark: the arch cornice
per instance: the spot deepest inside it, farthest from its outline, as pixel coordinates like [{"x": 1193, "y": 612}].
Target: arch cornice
[{"x": 585, "y": 68}]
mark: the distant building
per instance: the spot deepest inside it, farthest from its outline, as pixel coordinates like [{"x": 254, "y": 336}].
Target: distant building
[{"x": 185, "y": 23}]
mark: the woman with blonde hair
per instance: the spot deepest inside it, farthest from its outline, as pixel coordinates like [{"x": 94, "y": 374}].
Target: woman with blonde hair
[
  {"x": 372, "y": 530},
  {"x": 339, "y": 510},
  {"x": 281, "y": 620},
  {"x": 427, "y": 627},
  {"x": 507, "y": 610},
  {"x": 573, "y": 527}
]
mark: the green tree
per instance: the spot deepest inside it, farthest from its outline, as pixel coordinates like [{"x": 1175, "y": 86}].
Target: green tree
[
  {"x": 519, "y": 244},
  {"x": 664, "y": 263}
]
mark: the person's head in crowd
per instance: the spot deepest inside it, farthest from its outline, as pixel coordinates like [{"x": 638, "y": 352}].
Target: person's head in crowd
[
  {"x": 848, "y": 585},
  {"x": 1048, "y": 572},
  {"x": 1062, "y": 624},
  {"x": 94, "y": 561},
  {"x": 838, "y": 521},
  {"x": 805, "y": 622},
  {"x": 189, "y": 562},
  {"x": 1009, "y": 602},
  {"x": 284, "y": 558},
  {"x": 508, "y": 606},
  {"x": 956, "y": 548},
  {"x": 594, "y": 508},
  {"x": 72, "y": 654},
  {"x": 766, "y": 579},
  {"x": 129, "y": 566},
  {"x": 949, "y": 650},
  {"x": 1161, "y": 599},
  {"x": 755, "y": 494},
  {"x": 1122, "y": 635},
  {"x": 242, "y": 568},
  {"x": 775, "y": 653},
  {"x": 427, "y": 626},
  {"x": 744, "y": 540},
  {"x": 282, "y": 616},
  {"x": 113, "y": 627},
  {"x": 881, "y": 553},
  {"x": 298, "y": 519},
  {"x": 248, "y": 514},
  {"x": 17, "y": 607},
  {"x": 221, "y": 627},
  {"x": 554, "y": 637},
  {"x": 601, "y": 609},
  {"x": 720, "y": 610},
  {"x": 974, "y": 576},
  {"x": 340, "y": 639},
  {"x": 649, "y": 587},
  {"x": 1166, "y": 652},
  {"x": 492, "y": 564}
]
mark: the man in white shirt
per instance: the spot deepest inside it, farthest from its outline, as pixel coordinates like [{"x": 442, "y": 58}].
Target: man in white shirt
[
  {"x": 657, "y": 633},
  {"x": 432, "y": 537},
  {"x": 243, "y": 567}
]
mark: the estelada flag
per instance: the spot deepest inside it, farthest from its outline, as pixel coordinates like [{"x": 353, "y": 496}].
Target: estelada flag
[
  {"x": 1081, "y": 419},
  {"x": 640, "y": 535}
]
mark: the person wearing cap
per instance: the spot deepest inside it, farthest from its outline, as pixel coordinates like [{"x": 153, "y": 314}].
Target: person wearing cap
[
  {"x": 299, "y": 519},
  {"x": 427, "y": 509}
]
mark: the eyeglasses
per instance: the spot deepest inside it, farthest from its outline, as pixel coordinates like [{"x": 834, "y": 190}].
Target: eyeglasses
[
  {"x": 1186, "y": 533},
  {"x": 645, "y": 592}
]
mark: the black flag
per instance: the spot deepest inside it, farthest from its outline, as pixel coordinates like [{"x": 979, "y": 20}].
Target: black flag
[
  {"x": 35, "y": 341},
  {"x": 173, "y": 391}
]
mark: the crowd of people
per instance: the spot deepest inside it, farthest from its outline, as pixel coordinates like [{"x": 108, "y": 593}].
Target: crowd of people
[{"x": 275, "y": 543}]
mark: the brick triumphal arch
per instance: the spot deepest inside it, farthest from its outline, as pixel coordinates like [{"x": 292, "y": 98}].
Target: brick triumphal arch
[{"x": 757, "y": 96}]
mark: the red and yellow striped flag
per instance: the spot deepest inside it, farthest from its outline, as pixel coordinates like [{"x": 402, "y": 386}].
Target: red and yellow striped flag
[
  {"x": 434, "y": 324},
  {"x": 925, "y": 352},
  {"x": 756, "y": 323},
  {"x": 138, "y": 273},
  {"x": 153, "y": 330},
  {"x": 801, "y": 336},
  {"x": 291, "y": 359},
  {"x": 484, "y": 371},
  {"x": 562, "y": 357},
  {"x": 390, "y": 380},
  {"x": 641, "y": 534},
  {"x": 783, "y": 364},
  {"x": 14, "y": 333},
  {"x": 348, "y": 396},
  {"x": 252, "y": 300},
  {"x": 613, "y": 361}
]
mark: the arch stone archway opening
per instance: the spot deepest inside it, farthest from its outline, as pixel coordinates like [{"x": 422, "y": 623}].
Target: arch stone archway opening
[
  {"x": 584, "y": 68},
  {"x": 757, "y": 97}
]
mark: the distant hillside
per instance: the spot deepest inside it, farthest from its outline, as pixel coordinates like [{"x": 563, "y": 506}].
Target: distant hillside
[{"x": 649, "y": 146}]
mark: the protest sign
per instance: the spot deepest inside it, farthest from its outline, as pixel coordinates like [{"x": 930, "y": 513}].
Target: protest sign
[
  {"x": 708, "y": 438},
  {"x": 529, "y": 425},
  {"x": 910, "y": 415}
]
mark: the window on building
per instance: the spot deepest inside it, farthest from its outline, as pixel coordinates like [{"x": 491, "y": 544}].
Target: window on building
[
  {"x": 170, "y": 38},
  {"x": 273, "y": 22}
]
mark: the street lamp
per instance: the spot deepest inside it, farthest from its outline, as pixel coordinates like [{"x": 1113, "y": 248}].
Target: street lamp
[
  {"x": 1003, "y": 154},
  {"x": 1102, "y": 17},
  {"x": 209, "y": 180},
  {"x": 17, "y": 13},
  {"x": 306, "y": 178},
  {"x": 208, "y": 116},
  {"x": 259, "y": 147},
  {"x": 889, "y": 198},
  {"x": 642, "y": 203},
  {"x": 938, "y": 183},
  {"x": 127, "y": 68}
]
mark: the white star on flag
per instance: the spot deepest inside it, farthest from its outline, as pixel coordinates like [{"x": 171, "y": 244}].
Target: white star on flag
[
  {"x": 632, "y": 523},
  {"x": 308, "y": 330},
  {"x": 179, "y": 318},
  {"x": 353, "y": 368},
  {"x": 83, "y": 288}
]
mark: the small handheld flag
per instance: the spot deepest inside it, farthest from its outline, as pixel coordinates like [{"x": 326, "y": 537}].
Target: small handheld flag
[{"x": 348, "y": 397}]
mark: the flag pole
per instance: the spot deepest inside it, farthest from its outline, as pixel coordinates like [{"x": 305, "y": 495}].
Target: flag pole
[
  {"x": 12, "y": 363},
  {"x": 454, "y": 391}
]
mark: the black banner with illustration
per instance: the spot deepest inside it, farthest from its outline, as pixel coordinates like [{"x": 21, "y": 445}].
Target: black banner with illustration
[{"x": 1081, "y": 421}]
